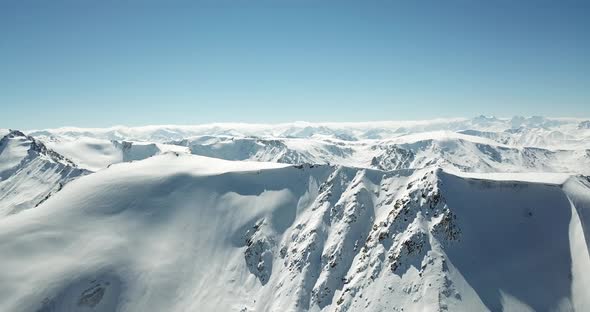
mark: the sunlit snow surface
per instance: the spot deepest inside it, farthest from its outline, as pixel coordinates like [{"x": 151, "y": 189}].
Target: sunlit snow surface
[{"x": 479, "y": 214}]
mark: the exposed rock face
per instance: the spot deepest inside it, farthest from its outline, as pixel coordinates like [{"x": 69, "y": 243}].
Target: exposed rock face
[
  {"x": 369, "y": 230},
  {"x": 340, "y": 238},
  {"x": 259, "y": 252},
  {"x": 393, "y": 157},
  {"x": 93, "y": 293}
]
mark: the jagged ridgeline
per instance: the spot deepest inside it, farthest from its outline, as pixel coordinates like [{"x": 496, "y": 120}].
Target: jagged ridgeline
[{"x": 178, "y": 232}]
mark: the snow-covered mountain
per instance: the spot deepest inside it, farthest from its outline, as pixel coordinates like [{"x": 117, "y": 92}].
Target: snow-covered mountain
[
  {"x": 30, "y": 172},
  {"x": 480, "y": 214},
  {"x": 180, "y": 233}
]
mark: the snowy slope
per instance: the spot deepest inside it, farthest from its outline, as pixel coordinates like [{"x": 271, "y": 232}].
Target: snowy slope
[
  {"x": 95, "y": 154},
  {"x": 179, "y": 232},
  {"x": 30, "y": 173}
]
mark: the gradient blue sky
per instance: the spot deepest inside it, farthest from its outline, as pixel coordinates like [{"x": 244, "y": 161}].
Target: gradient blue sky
[{"x": 102, "y": 63}]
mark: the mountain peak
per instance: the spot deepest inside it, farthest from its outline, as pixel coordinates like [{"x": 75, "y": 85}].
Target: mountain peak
[
  {"x": 15, "y": 133},
  {"x": 36, "y": 147}
]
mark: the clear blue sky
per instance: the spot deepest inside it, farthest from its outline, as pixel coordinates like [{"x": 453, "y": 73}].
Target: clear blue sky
[{"x": 101, "y": 63}]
